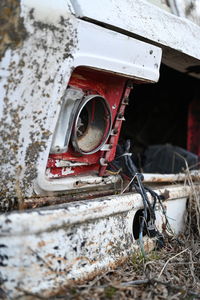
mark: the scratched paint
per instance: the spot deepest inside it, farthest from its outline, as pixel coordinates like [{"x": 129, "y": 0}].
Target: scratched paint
[
  {"x": 12, "y": 30},
  {"x": 42, "y": 250},
  {"x": 34, "y": 74},
  {"x": 176, "y": 35}
]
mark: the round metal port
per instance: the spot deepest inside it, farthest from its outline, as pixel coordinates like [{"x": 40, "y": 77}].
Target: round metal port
[{"x": 92, "y": 125}]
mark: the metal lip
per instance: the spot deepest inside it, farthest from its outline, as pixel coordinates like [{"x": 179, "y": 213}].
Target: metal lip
[
  {"x": 65, "y": 120},
  {"x": 106, "y": 134}
]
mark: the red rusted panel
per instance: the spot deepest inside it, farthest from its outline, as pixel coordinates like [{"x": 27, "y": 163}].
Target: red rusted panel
[
  {"x": 111, "y": 87},
  {"x": 113, "y": 140},
  {"x": 70, "y": 156},
  {"x": 61, "y": 172}
]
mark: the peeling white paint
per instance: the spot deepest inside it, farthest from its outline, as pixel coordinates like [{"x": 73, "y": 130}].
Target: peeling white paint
[
  {"x": 36, "y": 76},
  {"x": 47, "y": 14},
  {"x": 44, "y": 249},
  {"x": 47, "y": 248},
  {"x": 67, "y": 163},
  {"x": 177, "y": 36},
  {"x": 180, "y": 177},
  {"x": 67, "y": 171}
]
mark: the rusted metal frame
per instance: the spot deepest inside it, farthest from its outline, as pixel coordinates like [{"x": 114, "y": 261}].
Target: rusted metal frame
[
  {"x": 156, "y": 179},
  {"x": 113, "y": 140},
  {"x": 172, "y": 178},
  {"x": 31, "y": 203},
  {"x": 81, "y": 211}
]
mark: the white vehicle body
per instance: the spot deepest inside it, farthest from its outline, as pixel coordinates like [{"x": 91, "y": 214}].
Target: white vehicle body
[{"x": 44, "y": 248}]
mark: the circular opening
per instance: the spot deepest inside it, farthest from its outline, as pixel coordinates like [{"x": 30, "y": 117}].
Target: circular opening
[
  {"x": 92, "y": 125},
  {"x": 139, "y": 215},
  {"x": 82, "y": 123}
]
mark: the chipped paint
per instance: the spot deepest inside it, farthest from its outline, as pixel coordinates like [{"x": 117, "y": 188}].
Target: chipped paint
[
  {"x": 67, "y": 163},
  {"x": 67, "y": 171},
  {"x": 48, "y": 248},
  {"x": 12, "y": 29},
  {"x": 180, "y": 177},
  {"x": 177, "y": 36},
  {"x": 34, "y": 79},
  {"x": 44, "y": 249}
]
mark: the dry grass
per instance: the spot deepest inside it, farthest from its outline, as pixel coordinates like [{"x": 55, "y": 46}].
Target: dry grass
[{"x": 170, "y": 273}]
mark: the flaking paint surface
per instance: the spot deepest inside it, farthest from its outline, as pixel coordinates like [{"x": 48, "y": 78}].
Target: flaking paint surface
[
  {"x": 12, "y": 30},
  {"x": 73, "y": 245},
  {"x": 34, "y": 74}
]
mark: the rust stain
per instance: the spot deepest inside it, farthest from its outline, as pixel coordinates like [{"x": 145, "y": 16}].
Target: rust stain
[
  {"x": 21, "y": 153},
  {"x": 83, "y": 258},
  {"x": 55, "y": 257},
  {"x": 12, "y": 30},
  {"x": 50, "y": 255},
  {"x": 87, "y": 277},
  {"x": 149, "y": 245},
  {"x": 110, "y": 244},
  {"x": 154, "y": 179},
  {"x": 90, "y": 243},
  {"x": 41, "y": 244},
  {"x": 165, "y": 195},
  {"x": 30, "y": 203},
  {"x": 58, "y": 272},
  {"x": 80, "y": 183}
]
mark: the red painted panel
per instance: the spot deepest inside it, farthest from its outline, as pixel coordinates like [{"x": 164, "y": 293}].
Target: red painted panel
[{"x": 112, "y": 88}]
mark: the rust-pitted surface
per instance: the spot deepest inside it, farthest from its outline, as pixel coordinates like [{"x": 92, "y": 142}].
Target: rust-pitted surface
[
  {"x": 12, "y": 30},
  {"x": 171, "y": 178},
  {"x": 33, "y": 80},
  {"x": 178, "y": 37},
  {"x": 43, "y": 250},
  {"x": 34, "y": 77}
]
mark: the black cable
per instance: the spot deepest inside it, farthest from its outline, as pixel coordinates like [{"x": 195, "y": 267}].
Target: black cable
[
  {"x": 141, "y": 190},
  {"x": 125, "y": 161}
]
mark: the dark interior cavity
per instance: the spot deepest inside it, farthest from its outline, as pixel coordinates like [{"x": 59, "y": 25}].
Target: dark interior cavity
[{"x": 157, "y": 114}]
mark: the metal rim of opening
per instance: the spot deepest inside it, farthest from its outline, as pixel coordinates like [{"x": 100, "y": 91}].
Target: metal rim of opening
[{"x": 92, "y": 125}]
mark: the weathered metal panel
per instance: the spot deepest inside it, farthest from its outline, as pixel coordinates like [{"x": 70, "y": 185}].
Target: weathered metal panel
[
  {"x": 195, "y": 175},
  {"x": 189, "y": 9},
  {"x": 34, "y": 77},
  {"x": 43, "y": 250},
  {"x": 178, "y": 37}
]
